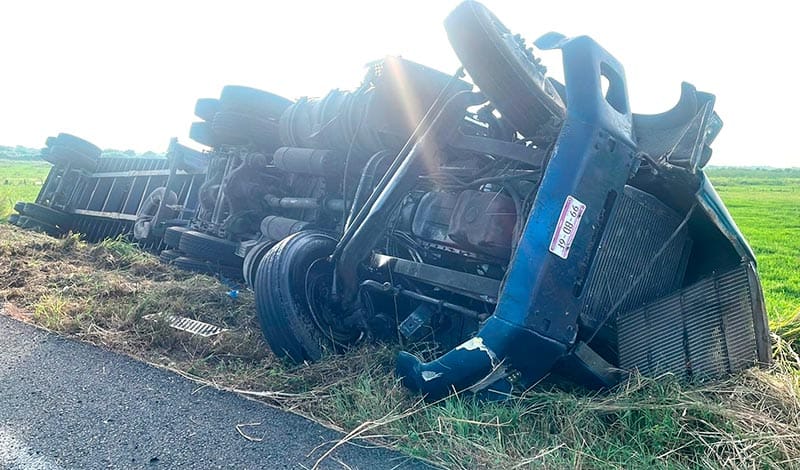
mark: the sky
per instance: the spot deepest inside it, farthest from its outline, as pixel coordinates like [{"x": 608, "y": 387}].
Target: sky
[{"x": 126, "y": 75}]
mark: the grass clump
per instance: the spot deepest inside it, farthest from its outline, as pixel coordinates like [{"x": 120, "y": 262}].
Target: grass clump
[{"x": 56, "y": 313}]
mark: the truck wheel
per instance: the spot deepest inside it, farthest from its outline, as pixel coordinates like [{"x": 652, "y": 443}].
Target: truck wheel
[
  {"x": 167, "y": 256},
  {"x": 79, "y": 145},
  {"x": 239, "y": 129},
  {"x": 45, "y": 155},
  {"x": 208, "y": 247},
  {"x": 59, "y": 154},
  {"x": 503, "y": 69},
  {"x": 38, "y": 226},
  {"x": 252, "y": 101},
  {"x": 206, "y": 267},
  {"x": 252, "y": 260},
  {"x": 202, "y": 133},
  {"x": 292, "y": 291},
  {"x": 46, "y": 214},
  {"x": 148, "y": 209},
  {"x": 150, "y": 205},
  {"x": 206, "y": 108},
  {"x": 172, "y": 236}
]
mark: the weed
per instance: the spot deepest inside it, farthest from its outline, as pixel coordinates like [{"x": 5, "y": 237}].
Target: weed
[
  {"x": 55, "y": 313},
  {"x": 118, "y": 252}
]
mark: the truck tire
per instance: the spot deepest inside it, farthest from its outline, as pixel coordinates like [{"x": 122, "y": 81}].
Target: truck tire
[
  {"x": 206, "y": 267},
  {"x": 202, "y": 133},
  {"x": 148, "y": 209},
  {"x": 167, "y": 256},
  {"x": 150, "y": 204},
  {"x": 46, "y": 214},
  {"x": 206, "y": 108},
  {"x": 36, "y": 225},
  {"x": 172, "y": 236},
  {"x": 240, "y": 129},
  {"x": 293, "y": 278},
  {"x": 253, "y": 259},
  {"x": 59, "y": 154},
  {"x": 502, "y": 68},
  {"x": 210, "y": 248},
  {"x": 79, "y": 145},
  {"x": 248, "y": 100}
]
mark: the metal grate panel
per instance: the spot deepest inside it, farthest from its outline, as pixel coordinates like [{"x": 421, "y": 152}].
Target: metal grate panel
[
  {"x": 195, "y": 327},
  {"x": 706, "y": 330}
]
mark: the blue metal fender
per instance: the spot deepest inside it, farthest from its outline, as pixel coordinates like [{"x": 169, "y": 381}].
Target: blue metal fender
[{"x": 535, "y": 321}]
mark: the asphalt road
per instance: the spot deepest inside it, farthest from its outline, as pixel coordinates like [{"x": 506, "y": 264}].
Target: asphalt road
[{"x": 68, "y": 405}]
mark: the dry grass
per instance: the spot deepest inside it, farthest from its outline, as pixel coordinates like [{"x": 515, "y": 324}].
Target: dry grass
[{"x": 100, "y": 294}]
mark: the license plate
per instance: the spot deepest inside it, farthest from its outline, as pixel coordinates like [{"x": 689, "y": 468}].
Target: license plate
[{"x": 567, "y": 227}]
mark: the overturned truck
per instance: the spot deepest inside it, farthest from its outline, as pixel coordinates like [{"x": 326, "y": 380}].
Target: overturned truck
[{"x": 523, "y": 229}]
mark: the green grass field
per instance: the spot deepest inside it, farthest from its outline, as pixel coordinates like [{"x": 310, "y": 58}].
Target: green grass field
[
  {"x": 20, "y": 181},
  {"x": 766, "y": 206},
  {"x": 99, "y": 293}
]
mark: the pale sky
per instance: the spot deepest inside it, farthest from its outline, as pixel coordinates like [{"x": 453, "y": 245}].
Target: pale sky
[{"x": 126, "y": 75}]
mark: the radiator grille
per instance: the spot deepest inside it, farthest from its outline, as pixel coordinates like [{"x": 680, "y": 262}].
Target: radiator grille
[
  {"x": 637, "y": 228},
  {"x": 704, "y": 331}
]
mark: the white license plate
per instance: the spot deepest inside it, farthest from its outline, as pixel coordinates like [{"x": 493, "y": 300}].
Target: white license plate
[{"x": 567, "y": 227}]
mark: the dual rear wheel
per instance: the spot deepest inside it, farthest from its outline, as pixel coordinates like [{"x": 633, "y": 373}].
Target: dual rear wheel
[{"x": 293, "y": 299}]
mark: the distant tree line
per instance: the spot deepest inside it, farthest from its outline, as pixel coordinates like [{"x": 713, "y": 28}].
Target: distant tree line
[{"x": 21, "y": 153}]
